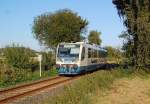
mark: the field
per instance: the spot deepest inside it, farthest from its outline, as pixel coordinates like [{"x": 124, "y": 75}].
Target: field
[
  {"x": 126, "y": 91},
  {"x": 107, "y": 87}
]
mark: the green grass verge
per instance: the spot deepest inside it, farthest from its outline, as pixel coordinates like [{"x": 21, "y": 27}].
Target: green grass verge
[
  {"x": 81, "y": 91},
  {"x": 23, "y": 76}
]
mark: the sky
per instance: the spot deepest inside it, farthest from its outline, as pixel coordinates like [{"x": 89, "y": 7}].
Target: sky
[{"x": 17, "y": 16}]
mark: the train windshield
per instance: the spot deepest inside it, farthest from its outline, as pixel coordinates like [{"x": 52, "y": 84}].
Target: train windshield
[{"x": 69, "y": 50}]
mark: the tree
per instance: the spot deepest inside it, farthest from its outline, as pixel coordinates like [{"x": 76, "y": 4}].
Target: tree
[
  {"x": 136, "y": 16},
  {"x": 127, "y": 44},
  {"x": 61, "y": 26},
  {"x": 114, "y": 54},
  {"x": 94, "y": 37}
]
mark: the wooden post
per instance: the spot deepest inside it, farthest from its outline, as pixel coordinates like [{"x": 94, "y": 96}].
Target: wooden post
[{"x": 40, "y": 64}]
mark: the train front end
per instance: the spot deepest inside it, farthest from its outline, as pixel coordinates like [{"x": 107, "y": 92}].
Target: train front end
[{"x": 67, "y": 59}]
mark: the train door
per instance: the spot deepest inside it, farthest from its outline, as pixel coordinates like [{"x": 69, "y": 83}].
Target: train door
[{"x": 83, "y": 59}]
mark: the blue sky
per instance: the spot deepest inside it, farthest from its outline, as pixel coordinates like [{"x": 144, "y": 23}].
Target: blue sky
[{"x": 16, "y": 19}]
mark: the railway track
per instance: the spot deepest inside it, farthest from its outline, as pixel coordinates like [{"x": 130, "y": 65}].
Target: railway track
[{"x": 12, "y": 94}]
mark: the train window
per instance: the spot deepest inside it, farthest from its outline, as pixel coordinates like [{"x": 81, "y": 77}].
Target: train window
[
  {"x": 102, "y": 54},
  {"x": 89, "y": 53},
  {"x": 95, "y": 54},
  {"x": 69, "y": 50},
  {"x": 83, "y": 53},
  {"x": 98, "y": 54},
  {"x": 92, "y": 53}
]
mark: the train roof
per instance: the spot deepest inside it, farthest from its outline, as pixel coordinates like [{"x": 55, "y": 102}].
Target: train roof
[{"x": 92, "y": 46}]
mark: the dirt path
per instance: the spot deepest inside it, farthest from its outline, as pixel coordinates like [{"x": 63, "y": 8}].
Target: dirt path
[{"x": 126, "y": 91}]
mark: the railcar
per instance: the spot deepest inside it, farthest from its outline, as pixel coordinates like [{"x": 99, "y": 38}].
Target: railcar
[{"x": 79, "y": 57}]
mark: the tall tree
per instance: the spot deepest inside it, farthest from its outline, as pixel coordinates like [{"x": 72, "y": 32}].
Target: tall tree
[
  {"x": 94, "y": 37},
  {"x": 136, "y": 16},
  {"x": 61, "y": 26},
  {"x": 127, "y": 44}
]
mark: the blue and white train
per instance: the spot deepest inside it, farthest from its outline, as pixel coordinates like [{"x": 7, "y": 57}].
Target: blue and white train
[{"x": 79, "y": 57}]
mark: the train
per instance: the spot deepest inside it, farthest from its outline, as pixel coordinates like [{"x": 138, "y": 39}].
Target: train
[{"x": 79, "y": 57}]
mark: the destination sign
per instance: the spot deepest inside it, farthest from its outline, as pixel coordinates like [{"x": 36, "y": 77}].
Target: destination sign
[{"x": 67, "y": 46}]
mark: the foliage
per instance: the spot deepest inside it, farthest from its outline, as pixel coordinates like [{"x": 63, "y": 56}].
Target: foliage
[
  {"x": 18, "y": 56},
  {"x": 48, "y": 60},
  {"x": 61, "y": 26},
  {"x": 10, "y": 77},
  {"x": 1, "y": 52},
  {"x": 19, "y": 64},
  {"x": 136, "y": 18},
  {"x": 5, "y": 73},
  {"x": 94, "y": 37},
  {"x": 114, "y": 54},
  {"x": 127, "y": 45}
]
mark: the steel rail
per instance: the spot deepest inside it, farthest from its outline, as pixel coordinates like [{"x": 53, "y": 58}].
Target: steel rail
[
  {"x": 27, "y": 85},
  {"x": 5, "y": 100}
]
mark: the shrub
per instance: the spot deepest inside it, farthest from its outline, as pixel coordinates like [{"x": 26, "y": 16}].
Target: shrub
[
  {"x": 6, "y": 74},
  {"x": 17, "y": 56},
  {"x": 48, "y": 60},
  {"x": 19, "y": 64}
]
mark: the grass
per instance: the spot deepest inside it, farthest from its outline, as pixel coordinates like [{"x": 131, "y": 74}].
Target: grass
[
  {"x": 24, "y": 76},
  {"x": 148, "y": 93},
  {"x": 81, "y": 91},
  {"x": 125, "y": 91}
]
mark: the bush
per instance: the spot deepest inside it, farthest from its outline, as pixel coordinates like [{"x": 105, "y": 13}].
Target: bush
[
  {"x": 11, "y": 76},
  {"x": 48, "y": 60},
  {"x": 6, "y": 73},
  {"x": 20, "y": 64},
  {"x": 17, "y": 56}
]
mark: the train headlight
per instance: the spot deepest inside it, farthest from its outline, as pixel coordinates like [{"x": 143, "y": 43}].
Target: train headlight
[
  {"x": 71, "y": 66},
  {"x": 57, "y": 66},
  {"x": 75, "y": 66},
  {"x": 64, "y": 66}
]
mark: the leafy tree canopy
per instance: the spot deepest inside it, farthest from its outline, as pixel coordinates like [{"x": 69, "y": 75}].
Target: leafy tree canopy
[
  {"x": 60, "y": 26},
  {"x": 128, "y": 44},
  {"x": 94, "y": 37},
  {"x": 136, "y": 17}
]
